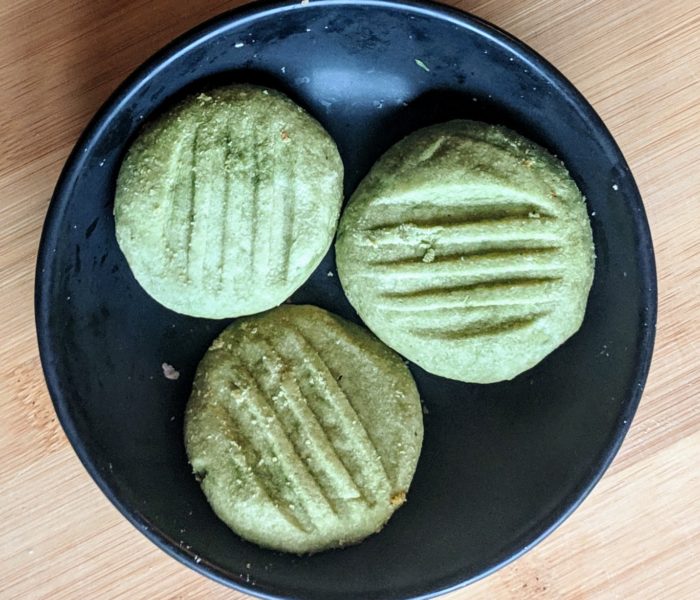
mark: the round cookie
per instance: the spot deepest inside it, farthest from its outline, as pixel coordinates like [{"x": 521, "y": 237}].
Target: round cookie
[
  {"x": 468, "y": 249},
  {"x": 303, "y": 429},
  {"x": 227, "y": 202}
]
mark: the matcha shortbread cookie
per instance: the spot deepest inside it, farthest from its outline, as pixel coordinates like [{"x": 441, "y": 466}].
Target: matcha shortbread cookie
[
  {"x": 303, "y": 429},
  {"x": 468, "y": 249},
  {"x": 226, "y": 203}
]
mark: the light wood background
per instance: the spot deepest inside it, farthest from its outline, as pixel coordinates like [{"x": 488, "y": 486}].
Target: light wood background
[{"x": 636, "y": 536}]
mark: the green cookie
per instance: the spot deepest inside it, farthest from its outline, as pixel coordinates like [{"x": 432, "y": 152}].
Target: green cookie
[
  {"x": 227, "y": 202},
  {"x": 468, "y": 249},
  {"x": 303, "y": 429}
]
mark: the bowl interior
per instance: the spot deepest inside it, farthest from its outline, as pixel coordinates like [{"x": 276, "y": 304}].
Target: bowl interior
[{"x": 502, "y": 463}]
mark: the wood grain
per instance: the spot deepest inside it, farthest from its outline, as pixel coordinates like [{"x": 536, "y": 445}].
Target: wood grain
[{"x": 636, "y": 536}]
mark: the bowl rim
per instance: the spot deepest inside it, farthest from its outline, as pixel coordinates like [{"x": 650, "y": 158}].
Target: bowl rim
[{"x": 187, "y": 42}]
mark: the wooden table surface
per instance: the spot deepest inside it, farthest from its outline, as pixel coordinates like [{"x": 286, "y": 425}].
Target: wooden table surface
[{"x": 636, "y": 536}]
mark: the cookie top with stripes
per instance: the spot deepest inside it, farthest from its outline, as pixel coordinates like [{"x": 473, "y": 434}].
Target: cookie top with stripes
[
  {"x": 227, "y": 202},
  {"x": 303, "y": 429},
  {"x": 468, "y": 249}
]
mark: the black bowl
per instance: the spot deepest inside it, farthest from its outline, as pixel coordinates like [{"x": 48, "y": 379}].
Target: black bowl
[{"x": 502, "y": 464}]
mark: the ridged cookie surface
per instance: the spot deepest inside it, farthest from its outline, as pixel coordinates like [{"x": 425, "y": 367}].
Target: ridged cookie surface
[
  {"x": 226, "y": 204},
  {"x": 304, "y": 429},
  {"x": 468, "y": 249}
]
